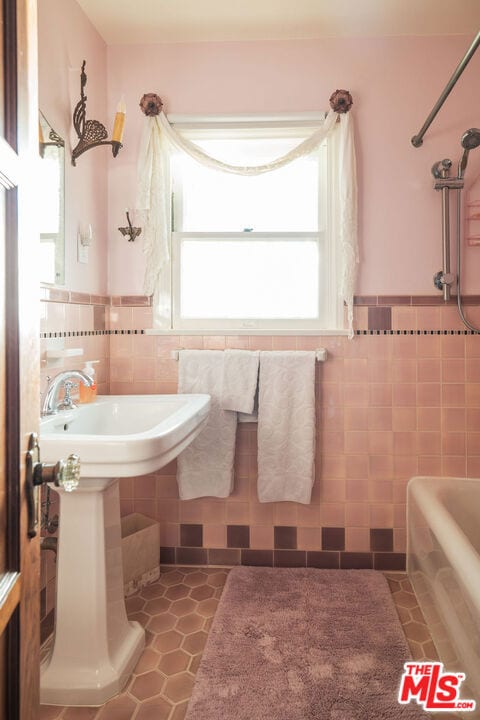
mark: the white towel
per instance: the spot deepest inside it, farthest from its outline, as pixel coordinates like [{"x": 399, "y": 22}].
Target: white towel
[
  {"x": 286, "y": 426},
  {"x": 240, "y": 378},
  {"x": 205, "y": 467}
]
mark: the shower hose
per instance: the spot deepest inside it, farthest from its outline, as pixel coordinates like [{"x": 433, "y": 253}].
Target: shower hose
[{"x": 459, "y": 269}]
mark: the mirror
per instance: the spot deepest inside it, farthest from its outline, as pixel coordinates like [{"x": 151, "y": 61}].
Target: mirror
[{"x": 51, "y": 188}]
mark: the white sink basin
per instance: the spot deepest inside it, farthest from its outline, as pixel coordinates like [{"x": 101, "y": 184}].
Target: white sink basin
[
  {"x": 124, "y": 435},
  {"x": 115, "y": 436}
]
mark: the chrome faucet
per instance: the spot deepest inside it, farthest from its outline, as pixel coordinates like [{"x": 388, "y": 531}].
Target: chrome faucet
[{"x": 51, "y": 405}]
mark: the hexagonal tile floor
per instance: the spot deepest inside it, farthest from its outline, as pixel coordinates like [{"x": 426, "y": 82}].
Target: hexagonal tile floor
[
  {"x": 411, "y": 617},
  {"x": 177, "y": 611}
]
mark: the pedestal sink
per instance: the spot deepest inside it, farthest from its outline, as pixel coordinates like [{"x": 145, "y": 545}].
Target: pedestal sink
[{"x": 95, "y": 647}]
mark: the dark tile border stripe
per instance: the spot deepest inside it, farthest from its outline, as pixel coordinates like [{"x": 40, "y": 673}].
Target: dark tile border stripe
[
  {"x": 224, "y": 556},
  {"x": 415, "y": 332},
  {"x": 131, "y": 300},
  {"x": 289, "y": 558},
  {"x": 323, "y": 559},
  {"x": 333, "y": 538},
  {"x": 284, "y": 558},
  {"x": 389, "y": 561},
  {"x": 285, "y": 537},
  {"x": 285, "y": 553},
  {"x": 411, "y": 300},
  {"x": 379, "y": 318},
  {"x": 167, "y": 556},
  {"x": 238, "y": 536},
  {"x": 86, "y": 333},
  {"x": 381, "y": 539},
  {"x": 48, "y": 294},
  {"x": 191, "y": 556},
  {"x": 191, "y": 535},
  {"x": 262, "y": 558},
  {"x": 356, "y": 561}
]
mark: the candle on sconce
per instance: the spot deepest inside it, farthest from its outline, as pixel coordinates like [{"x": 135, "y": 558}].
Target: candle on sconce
[{"x": 119, "y": 122}]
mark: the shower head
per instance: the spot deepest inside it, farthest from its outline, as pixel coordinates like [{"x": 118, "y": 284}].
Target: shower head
[{"x": 470, "y": 140}]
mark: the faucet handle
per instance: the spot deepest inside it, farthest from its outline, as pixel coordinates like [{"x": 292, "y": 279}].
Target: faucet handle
[{"x": 67, "y": 402}]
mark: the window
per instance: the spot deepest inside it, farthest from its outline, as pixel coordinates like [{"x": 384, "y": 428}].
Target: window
[{"x": 254, "y": 252}]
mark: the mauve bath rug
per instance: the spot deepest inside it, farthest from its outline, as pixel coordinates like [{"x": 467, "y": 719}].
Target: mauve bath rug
[{"x": 303, "y": 644}]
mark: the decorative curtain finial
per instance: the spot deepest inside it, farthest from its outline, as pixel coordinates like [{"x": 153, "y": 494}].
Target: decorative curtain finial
[
  {"x": 341, "y": 101},
  {"x": 151, "y": 104}
]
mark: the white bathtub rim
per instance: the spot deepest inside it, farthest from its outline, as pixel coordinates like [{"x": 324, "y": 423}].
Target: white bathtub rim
[{"x": 455, "y": 544}]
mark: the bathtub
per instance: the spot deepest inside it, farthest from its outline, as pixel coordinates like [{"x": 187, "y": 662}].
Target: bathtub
[{"x": 443, "y": 564}]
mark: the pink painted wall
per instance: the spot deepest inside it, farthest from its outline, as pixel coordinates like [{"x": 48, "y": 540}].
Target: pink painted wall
[
  {"x": 66, "y": 38},
  {"x": 394, "y": 81}
]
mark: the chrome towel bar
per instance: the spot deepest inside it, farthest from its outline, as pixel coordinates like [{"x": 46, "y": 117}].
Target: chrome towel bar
[{"x": 320, "y": 354}]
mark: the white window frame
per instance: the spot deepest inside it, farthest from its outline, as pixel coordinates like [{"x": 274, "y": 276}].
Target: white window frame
[{"x": 331, "y": 311}]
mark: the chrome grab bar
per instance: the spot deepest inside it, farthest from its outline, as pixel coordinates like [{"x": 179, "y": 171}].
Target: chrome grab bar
[{"x": 417, "y": 140}]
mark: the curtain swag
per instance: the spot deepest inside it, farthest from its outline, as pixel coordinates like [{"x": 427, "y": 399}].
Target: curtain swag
[{"x": 153, "y": 192}]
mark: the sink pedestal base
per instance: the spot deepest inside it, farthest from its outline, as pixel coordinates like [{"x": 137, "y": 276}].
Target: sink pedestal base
[{"x": 95, "y": 647}]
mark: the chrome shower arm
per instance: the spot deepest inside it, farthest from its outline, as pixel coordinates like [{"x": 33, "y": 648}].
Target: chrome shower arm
[{"x": 417, "y": 140}]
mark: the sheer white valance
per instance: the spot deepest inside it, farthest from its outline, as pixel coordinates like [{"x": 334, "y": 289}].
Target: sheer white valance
[{"x": 153, "y": 192}]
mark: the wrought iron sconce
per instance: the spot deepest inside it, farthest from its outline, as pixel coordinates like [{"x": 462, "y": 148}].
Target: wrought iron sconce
[
  {"x": 132, "y": 232},
  {"x": 92, "y": 133}
]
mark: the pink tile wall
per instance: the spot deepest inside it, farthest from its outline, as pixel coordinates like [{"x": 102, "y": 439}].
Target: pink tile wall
[
  {"x": 91, "y": 322},
  {"x": 389, "y": 407}
]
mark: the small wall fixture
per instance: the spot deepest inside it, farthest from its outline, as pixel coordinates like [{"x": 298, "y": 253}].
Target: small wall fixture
[
  {"x": 53, "y": 137},
  {"x": 130, "y": 231},
  {"x": 85, "y": 234},
  {"x": 84, "y": 242},
  {"x": 92, "y": 133}
]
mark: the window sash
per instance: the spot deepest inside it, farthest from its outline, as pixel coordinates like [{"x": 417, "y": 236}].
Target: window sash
[
  {"x": 319, "y": 159},
  {"x": 325, "y": 301}
]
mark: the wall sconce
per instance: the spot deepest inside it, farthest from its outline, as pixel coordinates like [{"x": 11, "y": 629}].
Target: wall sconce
[
  {"x": 132, "y": 232},
  {"x": 92, "y": 133}
]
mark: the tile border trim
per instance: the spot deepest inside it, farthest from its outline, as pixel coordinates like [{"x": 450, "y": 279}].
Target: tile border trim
[
  {"x": 411, "y": 300},
  {"x": 86, "y": 333},
  {"x": 59, "y": 295},
  {"x": 83, "y": 333},
  {"x": 333, "y": 559},
  {"x": 415, "y": 332}
]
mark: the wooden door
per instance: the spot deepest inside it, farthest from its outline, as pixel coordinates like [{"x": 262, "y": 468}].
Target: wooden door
[{"x": 19, "y": 362}]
